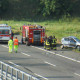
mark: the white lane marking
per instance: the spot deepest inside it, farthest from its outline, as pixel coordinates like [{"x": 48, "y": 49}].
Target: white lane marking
[
  {"x": 13, "y": 63},
  {"x": 43, "y": 49},
  {"x": 49, "y": 63},
  {"x": 25, "y": 54},
  {"x": 41, "y": 76},
  {"x": 67, "y": 57},
  {"x": 4, "y": 46},
  {"x": 77, "y": 74},
  {"x": 58, "y": 55}
]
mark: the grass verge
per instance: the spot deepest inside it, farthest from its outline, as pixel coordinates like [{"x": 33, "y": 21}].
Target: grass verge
[{"x": 58, "y": 28}]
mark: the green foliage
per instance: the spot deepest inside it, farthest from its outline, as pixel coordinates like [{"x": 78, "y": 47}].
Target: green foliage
[
  {"x": 47, "y": 6},
  {"x": 36, "y": 9},
  {"x": 3, "y": 6},
  {"x": 56, "y": 7},
  {"x": 21, "y": 10}
]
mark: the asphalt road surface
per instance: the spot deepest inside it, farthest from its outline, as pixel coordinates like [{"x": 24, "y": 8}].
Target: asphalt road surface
[{"x": 46, "y": 65}]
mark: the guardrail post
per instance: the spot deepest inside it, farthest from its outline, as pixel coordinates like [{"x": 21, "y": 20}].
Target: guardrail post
[
  {"x": 1, "y": 71},
  {"x": 6, "y": 71},
  {"x": 16, "y": 75},
  {"x": 11, "y": 73},
  {"x": 29, "y": 77},
  {"x": 22, "y": 76}
]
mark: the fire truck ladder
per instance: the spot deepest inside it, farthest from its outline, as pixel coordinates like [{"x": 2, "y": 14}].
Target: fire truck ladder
[{"x": 8, "y": 72}]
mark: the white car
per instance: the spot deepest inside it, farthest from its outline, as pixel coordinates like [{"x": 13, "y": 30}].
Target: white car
[{"x": 70, "y": 41}]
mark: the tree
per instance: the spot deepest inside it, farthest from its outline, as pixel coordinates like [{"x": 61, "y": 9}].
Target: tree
[
  {"x": 3, "y": 6},
  {"x": 56, "y": 7}
]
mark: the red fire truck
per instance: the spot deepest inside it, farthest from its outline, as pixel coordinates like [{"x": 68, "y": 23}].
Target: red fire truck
[{"x": 33, "y": 34}]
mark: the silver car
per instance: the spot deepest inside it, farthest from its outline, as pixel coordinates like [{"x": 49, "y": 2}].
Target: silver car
[{"x": 70, "y": 41}]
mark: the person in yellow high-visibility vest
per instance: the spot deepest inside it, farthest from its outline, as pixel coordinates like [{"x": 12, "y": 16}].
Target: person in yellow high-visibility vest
[
  {"x": 54, "y": 43},
  {"x": 16, "y": 44},
  {"x": 10, "y": 44},
  {"x": 47, "y": 44}
]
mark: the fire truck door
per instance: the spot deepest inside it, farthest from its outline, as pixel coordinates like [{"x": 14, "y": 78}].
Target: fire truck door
[{"x": 37, "y": 35}]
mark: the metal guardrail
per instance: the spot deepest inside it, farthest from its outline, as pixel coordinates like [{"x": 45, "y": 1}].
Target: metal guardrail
[{"x": 8, "y": 72}]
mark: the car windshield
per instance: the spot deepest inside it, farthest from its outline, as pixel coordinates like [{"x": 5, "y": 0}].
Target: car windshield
[{"x": 77, "y": 39}]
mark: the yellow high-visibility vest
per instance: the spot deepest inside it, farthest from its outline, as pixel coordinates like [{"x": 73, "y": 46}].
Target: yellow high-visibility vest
[{"x": 10, "y": 42}]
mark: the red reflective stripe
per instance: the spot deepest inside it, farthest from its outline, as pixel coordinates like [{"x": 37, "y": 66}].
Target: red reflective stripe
[{"x": 5, "y": 35}]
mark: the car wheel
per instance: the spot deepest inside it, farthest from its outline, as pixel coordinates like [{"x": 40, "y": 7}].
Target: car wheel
[
  {"x": 62, "y": 46},
  {"x": 78, "y": 47}
]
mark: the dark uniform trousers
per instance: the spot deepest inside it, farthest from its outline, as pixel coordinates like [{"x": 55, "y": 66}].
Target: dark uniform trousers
[{"x": 54, "y": 43}]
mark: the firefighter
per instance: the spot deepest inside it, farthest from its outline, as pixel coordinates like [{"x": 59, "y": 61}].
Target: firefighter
[
  {"x": 47, "y": 44},
  {"x": 10, "y": 44},
  {"x": 54, "y": 42},
  {"x": 16, "y": 44},
  {"x": 50, "y": 41}
]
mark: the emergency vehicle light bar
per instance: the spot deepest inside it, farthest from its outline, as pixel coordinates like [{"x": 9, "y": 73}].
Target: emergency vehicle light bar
[{"x": 3, "y": 25}]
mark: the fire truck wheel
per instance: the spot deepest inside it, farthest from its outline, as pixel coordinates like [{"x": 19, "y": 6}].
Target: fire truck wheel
[
  {"x": 42, "y": 44},
  {"x": 27, "y": 43},
  {"x": 22, "y": 41}
]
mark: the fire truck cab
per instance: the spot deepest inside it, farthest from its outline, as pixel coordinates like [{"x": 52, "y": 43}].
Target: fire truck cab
[
  {"x": 5, "y": 32},
  {"x": 33, "y": 34}
]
